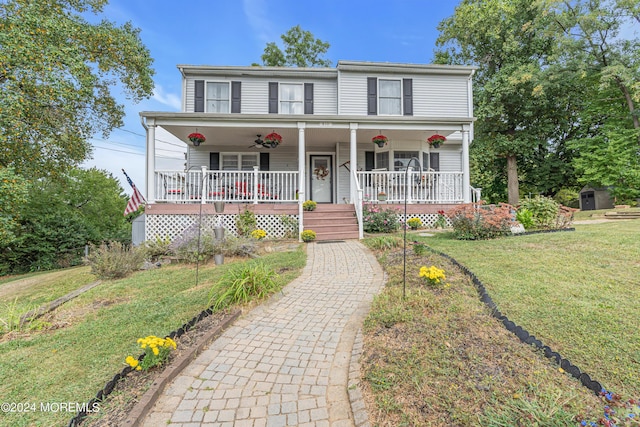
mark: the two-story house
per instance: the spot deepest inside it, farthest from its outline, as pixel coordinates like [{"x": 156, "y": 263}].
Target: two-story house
[{"x": 324, "y": 121}]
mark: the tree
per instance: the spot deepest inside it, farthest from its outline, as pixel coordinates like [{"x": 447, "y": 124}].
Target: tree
[
  {"x": 61, "y": 215},
  {"x": 13, "y": 194},
  {"x": 56, "y": 75},
  {"x": 301, "y": 49}
]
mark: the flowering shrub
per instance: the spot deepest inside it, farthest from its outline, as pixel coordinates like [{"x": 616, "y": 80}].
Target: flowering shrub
[
  {"x": 156, "y": 351},
  {"x": 617, "y": 413},
  {"x": 308, "y": 235},
  {"x": 477, "y": 221},
  {"x": 414, "y": 223},
  {"x": 441, "y": 222},
  {"x": 433, "y": 276},
  {"x": 258, "y": 234},
  {"x": 379, "y": 220}
]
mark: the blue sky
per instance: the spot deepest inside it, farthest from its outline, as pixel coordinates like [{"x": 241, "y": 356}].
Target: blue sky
[{"x": 235, "y": 32}]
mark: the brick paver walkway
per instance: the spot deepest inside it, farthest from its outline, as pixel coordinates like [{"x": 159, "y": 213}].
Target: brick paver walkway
[{"x": 285, "y": 363}]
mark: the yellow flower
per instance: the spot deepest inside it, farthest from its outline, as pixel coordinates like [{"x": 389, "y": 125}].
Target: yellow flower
[
  {"x": 132, "y": 362},
  {"x": 155, "y": 351}
]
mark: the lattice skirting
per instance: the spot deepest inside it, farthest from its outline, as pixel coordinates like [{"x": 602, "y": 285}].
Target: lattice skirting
[
  {"x": 428, "y": 219},
  {"x": 172, "y": 226}
]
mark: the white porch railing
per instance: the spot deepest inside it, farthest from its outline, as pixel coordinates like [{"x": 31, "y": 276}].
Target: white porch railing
[
  {"x": 196, "y": 186},
  {"x": 426, "y": 187}
]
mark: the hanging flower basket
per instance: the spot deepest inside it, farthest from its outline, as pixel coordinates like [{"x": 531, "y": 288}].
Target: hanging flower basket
[
  {"x": 196, "y": 138},
  {"x": 380, "y": 140},
  {"x": 272, "y": 140},
  {"x": 436, "y": 140}
]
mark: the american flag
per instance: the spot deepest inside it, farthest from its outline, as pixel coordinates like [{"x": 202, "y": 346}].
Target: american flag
[{"x": 136, "y": 198}]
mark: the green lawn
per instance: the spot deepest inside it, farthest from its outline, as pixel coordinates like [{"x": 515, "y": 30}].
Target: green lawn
[
  {"x": 576, "y": 291},
  {"x": 72, "y": 363}
]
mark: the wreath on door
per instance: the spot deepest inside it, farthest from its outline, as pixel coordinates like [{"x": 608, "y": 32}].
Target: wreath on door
[{"x": 321, "y": 172}]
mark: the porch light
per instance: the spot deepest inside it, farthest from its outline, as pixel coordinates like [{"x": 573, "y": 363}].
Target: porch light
[{"x": 196, "y": 138}]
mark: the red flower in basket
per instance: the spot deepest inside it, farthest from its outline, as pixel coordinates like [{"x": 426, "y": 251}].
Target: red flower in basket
[
  {"x": 273, "y": 139},
  {"x": 381, "y": 140},
  {"x": 436, "y": 140},
  {"x": 196, "y": 138}
]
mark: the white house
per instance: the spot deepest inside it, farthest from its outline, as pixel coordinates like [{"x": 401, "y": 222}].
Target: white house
[{"x": 326, "y": 119}]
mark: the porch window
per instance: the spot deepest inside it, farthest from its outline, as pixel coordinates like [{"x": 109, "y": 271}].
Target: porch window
[
  {"x": 235, "y": 162},
  {"x": 382, "y": 160},
  {"x": 291, "y": 98},
  {"x": 217, "y": 97},
  {"x": 401, "y": 160},
  {"x": 390, "y": 98}
]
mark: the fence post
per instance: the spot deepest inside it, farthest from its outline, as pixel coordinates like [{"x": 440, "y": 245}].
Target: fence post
[{"x": 86, "y": 250}]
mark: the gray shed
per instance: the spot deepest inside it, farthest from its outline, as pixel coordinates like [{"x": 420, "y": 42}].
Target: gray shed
[
  {"x": 595, "y": 198},
  {"x": 137, "y": 230}
]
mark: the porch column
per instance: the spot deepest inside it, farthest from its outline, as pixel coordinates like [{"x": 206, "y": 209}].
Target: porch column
[
  {"x": 150, "y": 182},
  {"x": 466, "y": 178},
  {"x": 353, "y": 161},
  {"x": 301, "y": 180}
]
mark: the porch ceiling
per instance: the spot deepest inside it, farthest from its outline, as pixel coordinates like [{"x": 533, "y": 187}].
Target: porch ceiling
[{"x": 238, "y": 135}]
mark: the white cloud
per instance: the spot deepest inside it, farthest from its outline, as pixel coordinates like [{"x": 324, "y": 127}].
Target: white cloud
[
  {"x": 169, "y": 99},
  {"x": 257, "y": 15}
]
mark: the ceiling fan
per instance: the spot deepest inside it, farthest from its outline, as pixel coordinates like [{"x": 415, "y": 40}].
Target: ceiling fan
[{"x": 257, "y": 143}]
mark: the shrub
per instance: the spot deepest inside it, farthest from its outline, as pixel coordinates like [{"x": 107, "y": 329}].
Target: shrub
[
  {"x": 379, "y": 220},
  {"x": 246, "y": 222},
  {"x": 414, "y": 223},
  {"x": 237, "y": 246},
  {"x": 525, "y": 217},
  {"x": 290, "y": 225},
  {"x": 241, "y": 284},
  {"x": 383, "y": 242},
  {"x": 308, "y": 235},
  {"x": 433, "y": 276},
  {"x": 154, "y": 249},
  {"x": 543, "y": 209},
  {"x": 568, "y": 197},
  {"x": 186, "y": 246},
  {"x": 419, "y": 249},
  {"x": 477, "y": 221},
  {"x": 309, "y": 205},
  {"x": 114, "y": 260}
]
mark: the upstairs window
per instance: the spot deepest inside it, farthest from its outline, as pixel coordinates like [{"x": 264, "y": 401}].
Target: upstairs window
[
  {"x": 217, "y": 97},
  {"x": 390, "y": 97},
  {"x": 291, "y": 98}
]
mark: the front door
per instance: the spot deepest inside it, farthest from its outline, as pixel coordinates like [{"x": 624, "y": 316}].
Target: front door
[{"x": 321, "y": 177}]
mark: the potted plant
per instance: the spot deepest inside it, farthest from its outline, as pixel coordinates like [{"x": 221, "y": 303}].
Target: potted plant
[
  {"x": 309, "y": 205},
  {"x": 308, "y": 236},
  {"x": 436, "y": 140},
  {"x": 272, "y": 140},
  {"x": 196, "y": 138},
  {"x": 414, "y": 223},
  {"x": 380, "y": 140},
  {"x": 382, "y": 196}
]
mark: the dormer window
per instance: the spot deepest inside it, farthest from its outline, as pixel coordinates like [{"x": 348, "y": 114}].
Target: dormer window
[{"x": 217, "y": 97}]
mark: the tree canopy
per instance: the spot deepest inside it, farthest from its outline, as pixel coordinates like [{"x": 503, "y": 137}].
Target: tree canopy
[
  {"x": 301, "y": 49},
  {"x": 57, "y": 72}
]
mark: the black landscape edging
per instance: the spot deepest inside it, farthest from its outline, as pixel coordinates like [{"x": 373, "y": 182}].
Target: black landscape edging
[
  {"x": 522, "y": 333},
  {"x": 108, "y": 388}
]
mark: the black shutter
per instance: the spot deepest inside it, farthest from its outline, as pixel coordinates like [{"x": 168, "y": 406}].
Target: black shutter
[
  {"x": 369, "y": 160},
  {"x": 372, "y": 96},
  {"x": 236, "y": 92},
  {"x": 425, "y": 161},
  {"x": 434, "y": 161},
  {"x": 407, "y": 96},
  {"x": 214, "y": 161},
  {"x": 264, "y": 161},
  {"x": 198, "y": 106},
  {"x": 273, "y": 97},
  {"x": 308, "y": 98}
]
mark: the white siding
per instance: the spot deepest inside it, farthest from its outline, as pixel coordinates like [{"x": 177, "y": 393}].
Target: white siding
[
  {"x": 279, "y": 160},
  {"x": 450, "y": 158},
  {"x": 440, "y": 96},
  {"x": 255, "y": 93},
  {"x": 433, "y": 95}
]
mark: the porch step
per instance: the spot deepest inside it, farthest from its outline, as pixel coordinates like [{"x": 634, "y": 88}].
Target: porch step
[
  {"x": 332, "y": 222},
  {"x": 622, "y": 215}
]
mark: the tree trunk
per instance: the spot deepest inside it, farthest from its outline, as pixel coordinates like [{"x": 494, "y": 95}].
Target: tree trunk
[{"x": 512, "y": 180}]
